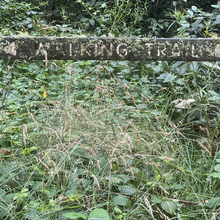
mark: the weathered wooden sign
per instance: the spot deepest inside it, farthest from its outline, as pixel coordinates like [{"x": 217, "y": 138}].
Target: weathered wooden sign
[{"x": 86, "y": 48}]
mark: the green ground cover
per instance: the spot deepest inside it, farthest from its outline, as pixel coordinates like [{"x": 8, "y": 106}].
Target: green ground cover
[{"x": 109, "y": 139}]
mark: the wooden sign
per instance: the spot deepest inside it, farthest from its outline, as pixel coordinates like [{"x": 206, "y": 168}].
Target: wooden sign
[{"x": 86, "y": 48}]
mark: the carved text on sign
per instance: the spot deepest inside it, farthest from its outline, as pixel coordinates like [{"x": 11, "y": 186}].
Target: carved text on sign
[
  {"x": 100, "y": 50},
  {"x": 9, "y": 49},
  {"x": 67, "y": 48}
]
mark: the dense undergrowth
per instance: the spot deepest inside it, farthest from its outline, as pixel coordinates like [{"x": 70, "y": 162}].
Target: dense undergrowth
[{"x": 109, "y": 139}]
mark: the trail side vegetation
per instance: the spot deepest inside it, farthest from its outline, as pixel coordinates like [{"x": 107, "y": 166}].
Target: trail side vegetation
[{"x": 110, "y": 139}]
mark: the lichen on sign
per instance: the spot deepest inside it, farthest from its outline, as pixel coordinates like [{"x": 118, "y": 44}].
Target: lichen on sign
[{"x": 83, "y": 48}]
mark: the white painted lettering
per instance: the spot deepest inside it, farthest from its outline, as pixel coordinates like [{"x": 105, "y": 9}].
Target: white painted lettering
[
  {"x": 217, "y": 50},
  {"x": 71, "y": 53},
  {"x": 176, "y": 50},
  {"x": 42, "y": 48},
  {"x": 96, "y": 50},
  {"x": 103, "y": 47},
  {"x": 11, "y": 49},
  {"x": 159, "y": 51},
  {"x": 187, "y": 49},
  {"x": 193, "y": 52},
  {"x": 119, "y": 50},
  {"x": 149, "y": 47},
  {"x": 83, "y": 49}
]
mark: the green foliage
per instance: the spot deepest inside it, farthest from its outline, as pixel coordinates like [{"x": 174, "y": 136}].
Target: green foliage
[
  {"x": 194, "y": 22},
  {"x": 18, "y": 17},
  {"x": 109, "y": 140},
  {"x": 99, "y": 214},
  {"x": 74, "y": 215}
]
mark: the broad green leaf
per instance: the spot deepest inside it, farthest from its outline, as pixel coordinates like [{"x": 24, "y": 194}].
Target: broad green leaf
[
  {"x": 155, "y": 199},
  {"x": 184, "y": 24},
  {"x": 182, "y": 217},
  {"x": 128, "y": 190},
  {"x": 180, "y": 82},
  {"x": 92, "y": 22},
  {"x": 169, "y": 78},
  {"x": 2, "y": 192},
  {"x": 168, "y": 206},
  {"x": 215, "y": 175},
  {"x": 84, "y": 19},
  {"x": 3, "y": 210},
  {"x": 176, "y": 64},
  {"x": 116, "y": 209},
  {"x": 217, "y": 168},
  {"x": 215, "y": 6},
  {"x": 194, "y": 8},
  {"x": 102, "y": 161},
  {"x": 214, "y": 202},
  {"x": 194, "y": 66},
  {"x": 119, "y": 178},
  {"x": 217, "y": 21},
  {"x": 52, "y": 203},
  {"x": 74, "y": 215},
  {"x": 190, "y": 13},
  {"x": 99, "y": 214},
  {"x": 165, "y": 65},
  {"x": 134, "y": 169},
  {"x": 31, "y": 214},
  {"x": 49, "y": 214},
  {"x": 142, "y": 106},
  {"x": 120, "y": 201}
]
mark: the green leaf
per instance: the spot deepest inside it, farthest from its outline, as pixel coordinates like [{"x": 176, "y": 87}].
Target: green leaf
[
  {"x": 194, "y": 66},
  {"x": 168, "y": 206},
  {"x": 102, "y": 161},
  {"x": 183, "y": 68},
  {"x": 116, "y": 209},
  {"x": 180, "y": 82},
  {"x": 214, "y": 202},
  {"x": 120, "y": 201},
  {"x": 155, "y": 199},
  {"x": 215, "y": 175},
  {"x": 169, "y": 78},
  {"x": 176, "y": 64},
  {"x": 52, "y": 203},
  {"x": 31, "y": 214},
  {"x": 134, "y": 169},
  {"x": 217, "y": 168},
  {"x": 92, "y": 22},
  {"x": 215, "y": 6},
  {"x": 119, "y": 178},
  {"x": 182, "y": 217},
  {"x": 165, "y": 65},
  {"x": 217, "y": 21},
  {"x": 84, "y": 19},
  {"x": 3, "y": 210},
  {"x": 74, "y": 215},
  {"x": 177, "y": 186},
  {"x": 99, "y": 214},
  {"x": 194, "y": 8},
  {"x": 190, "y": 13},
  {"x": 128, "y": 190}
]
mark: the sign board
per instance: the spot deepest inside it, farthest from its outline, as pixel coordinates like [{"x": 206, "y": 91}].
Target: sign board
[{"x": 96, "y": 48}]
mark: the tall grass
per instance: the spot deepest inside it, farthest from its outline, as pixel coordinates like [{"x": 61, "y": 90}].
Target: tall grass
[{"x": 105, "y": 153}]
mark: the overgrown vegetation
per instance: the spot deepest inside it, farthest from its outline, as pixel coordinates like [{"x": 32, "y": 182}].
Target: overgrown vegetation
[{"x": 106, "y": 139}]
